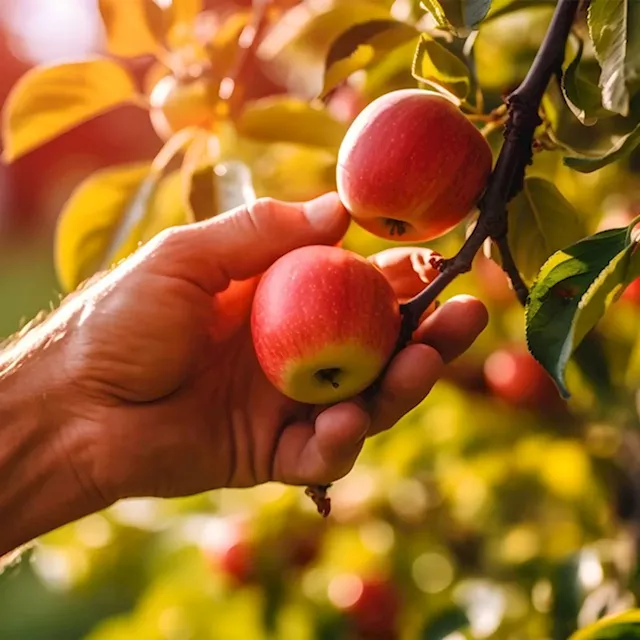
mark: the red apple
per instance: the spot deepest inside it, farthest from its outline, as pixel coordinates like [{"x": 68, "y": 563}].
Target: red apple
[
  {"x": 238, "y": 562},
  {"x": 412, "y": 166},
  {"x": 632, "y": 293},
  {"x": 324, "y": 323},
  {"x": 375, "y": 612},
  {"x": 176, "y": 105},
  {"x": 515, "y": 376}
]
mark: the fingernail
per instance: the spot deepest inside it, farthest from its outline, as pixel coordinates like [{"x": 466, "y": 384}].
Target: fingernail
[{"x": 324, "y": 211}]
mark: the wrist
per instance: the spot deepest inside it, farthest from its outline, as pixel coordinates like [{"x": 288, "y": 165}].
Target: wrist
[{"x": 40, "y": 487}]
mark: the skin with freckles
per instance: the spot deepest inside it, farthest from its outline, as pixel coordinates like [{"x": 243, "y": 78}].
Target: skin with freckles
[{"x": 146, "y": 383}]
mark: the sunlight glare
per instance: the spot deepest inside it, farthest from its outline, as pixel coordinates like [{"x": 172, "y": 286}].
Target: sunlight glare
[{"x": 42, "y": 31}]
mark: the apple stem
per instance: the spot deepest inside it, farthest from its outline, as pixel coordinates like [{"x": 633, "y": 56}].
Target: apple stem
[
  {"x": 329, "y": 375},
  {"x": 396, "y": 227},
  {"x": 507, "y": 178}
]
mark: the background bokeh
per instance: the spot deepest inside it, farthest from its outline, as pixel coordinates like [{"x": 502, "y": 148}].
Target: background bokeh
[{"x": 489, "y": 512}]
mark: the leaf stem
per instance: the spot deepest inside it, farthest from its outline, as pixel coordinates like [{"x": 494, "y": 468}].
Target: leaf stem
[{"x": 507, "y": 178}]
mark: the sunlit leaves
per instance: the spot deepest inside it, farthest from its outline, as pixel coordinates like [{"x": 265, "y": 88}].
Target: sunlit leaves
[
  {"x": 541, "y": 222},
  {"x": 614, "y": 26},
  {"x": 459, "y": 16},
  {"x": 363, "y": 45},
  {"x": 48, "y": 101},
  {"x": 445, "y": 624},
  {"x": 581, "y": 91},
  {"x": 282, "y": 119},
  {"x": 620, "y": 626},
  {"x": 298, "y": 46},
  {"x": 506, "y": 46},
  {"x": 114, "y": 210},
  {"x": 133, "y": 28},
  {"x": 572, "y": 292},
  {"x": 440, "y": 69},
  {"x": 100, "y": 222},
  {"x": 622, "y": 148}
]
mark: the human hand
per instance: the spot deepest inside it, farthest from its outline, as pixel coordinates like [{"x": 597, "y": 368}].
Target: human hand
[{"x": 155, "y": 384}]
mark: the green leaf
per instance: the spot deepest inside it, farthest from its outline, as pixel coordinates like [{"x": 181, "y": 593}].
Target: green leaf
[
  {"x": 134, "y": 27},
  {"x": 541, "y": 222},
  {"x": 50, "y": 100},
  {"x": 621, "y": 149},
  {"x": 211, "y": 186},
  {"x": 581, "y": 91},
  {"x": 111, "y": 212},
  {"x": 620, "y": 626},
  {"x": 297, "y": 47},
  {"x": 445, "y": 624},
  {"x": 459, "y": 16},
  {"x": 363, "y": 45},
  {"x": 572, "y": 292},
  {"x": 440, "y": 69},
  {"x": 614, "y": 26},
  {"x": 283, "y": 119}
]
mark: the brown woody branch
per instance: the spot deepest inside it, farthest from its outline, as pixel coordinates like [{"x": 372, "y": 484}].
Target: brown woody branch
[
  {"x": 505, "y": 182},
  {"x": 507, "y": 178}
]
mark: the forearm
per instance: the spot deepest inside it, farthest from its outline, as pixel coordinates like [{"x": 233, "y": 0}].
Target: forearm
[{"x": 38, "y": 488}]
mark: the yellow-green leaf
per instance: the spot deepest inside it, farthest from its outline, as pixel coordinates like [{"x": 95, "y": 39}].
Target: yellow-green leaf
[
  {"x": 90, "y": 235},
  {"x": 166, "y": 208},
  {"x": 541, "y": 222},
  {"x": 133, "y": 27},
  {"x": 362, "y": 45},
  {"x": 572, "y": 292},
  {"x": 282, "y": 119},
  {"x": 620, "y": 626},
  {"x": 298, "y": 46},
  {"x": 113, "y": 211},
  {"x": 440, "y": 69},
  {"x": 50, "y": 100}
]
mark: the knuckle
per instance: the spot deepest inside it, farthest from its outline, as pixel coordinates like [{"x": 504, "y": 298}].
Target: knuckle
[{"x": 171, "y": 240}]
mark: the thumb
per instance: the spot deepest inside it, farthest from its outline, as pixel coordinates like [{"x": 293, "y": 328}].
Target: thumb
[{"x": 245, "y": 241}]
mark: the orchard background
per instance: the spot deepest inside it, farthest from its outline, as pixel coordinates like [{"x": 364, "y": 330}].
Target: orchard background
[{"x": 495, "y": 509}]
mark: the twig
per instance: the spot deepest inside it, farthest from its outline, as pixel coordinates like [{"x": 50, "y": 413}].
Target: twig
[
  {"x": 507, "y": 178},
  {"x": 510, "y": 268},
  {"x": 232, "y": 87}
]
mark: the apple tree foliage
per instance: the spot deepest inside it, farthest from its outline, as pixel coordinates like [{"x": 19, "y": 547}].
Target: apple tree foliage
[{"x": 496, "y": 522}]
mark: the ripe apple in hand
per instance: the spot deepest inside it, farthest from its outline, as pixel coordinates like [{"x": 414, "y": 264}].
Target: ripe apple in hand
[
  {"x": 324, "y": 323},
  {"x": 412, "y": 166}
]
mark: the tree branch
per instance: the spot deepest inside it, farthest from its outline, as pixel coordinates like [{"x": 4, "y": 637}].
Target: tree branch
[
  {"x": 507, "y": 178},
  {"x": 510, "y": 268},
  {"x": 504, "y": 183}
]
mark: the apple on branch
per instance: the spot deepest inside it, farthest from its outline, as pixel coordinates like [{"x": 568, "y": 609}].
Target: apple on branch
[{"x": 412, "y": 166}]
